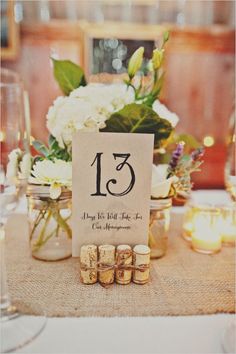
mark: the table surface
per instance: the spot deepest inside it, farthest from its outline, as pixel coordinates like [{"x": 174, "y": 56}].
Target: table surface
[{"x": 172, "y": 334}]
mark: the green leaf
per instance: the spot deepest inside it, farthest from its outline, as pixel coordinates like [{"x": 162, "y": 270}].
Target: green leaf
[
  {"x": 40, "y": 147},
  {"x": 56, "y": 152},
  {"x": 138, "y": 118},
  {"x": 68, "y": 75},
  {"x": 53, "y": 144},
  {"x": 166, "y": 36},
  {"x": 51, "y": 140},
  {"x": 158, "y": 86}
]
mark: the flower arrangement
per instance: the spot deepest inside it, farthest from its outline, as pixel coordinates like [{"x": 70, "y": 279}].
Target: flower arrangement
[{"x": 129, "y": 107}]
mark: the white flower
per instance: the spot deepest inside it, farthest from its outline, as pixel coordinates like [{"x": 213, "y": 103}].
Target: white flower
[
  {"x": 25, "y": 166},
  {"x": 121, "y": 95},
  {"x": 87, "y": 108},
  {"x": 163, "y": 112},
  {"x": 55, "y": 173},
  {"x": 106, "y": 99},
  {"x": 19, "y": 165},
  {"x": 161, "y": 185},
  {"x": 135, "y": 62},
  {"x": 12, "y": 166},
  {"x": 68, "y": 115}
]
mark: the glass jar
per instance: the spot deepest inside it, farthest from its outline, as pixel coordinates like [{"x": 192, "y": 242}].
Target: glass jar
[
  {"x": 230, "y": 167},
  {"x": 49, "y": 223},
  {"x": 228, "y": 225},
  {"x": 159, "y": 226},
  {"x": 191, "y": 209},
  {"x": 206, "y": 235}
]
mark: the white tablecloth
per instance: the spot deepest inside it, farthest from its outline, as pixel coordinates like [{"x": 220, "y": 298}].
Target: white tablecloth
[{"x": 189, "y": 334}]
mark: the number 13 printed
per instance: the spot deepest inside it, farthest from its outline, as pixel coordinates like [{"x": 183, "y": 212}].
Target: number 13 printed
[{"x": 119, "y": 167}]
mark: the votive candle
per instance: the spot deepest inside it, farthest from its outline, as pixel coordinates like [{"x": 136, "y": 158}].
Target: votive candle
[{"x": 206, "y": 237}]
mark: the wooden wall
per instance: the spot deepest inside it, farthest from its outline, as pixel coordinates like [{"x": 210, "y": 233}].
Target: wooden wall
[{"x": 199, "y": 83}]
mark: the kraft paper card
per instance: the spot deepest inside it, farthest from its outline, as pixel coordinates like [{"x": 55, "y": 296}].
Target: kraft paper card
[{"x": 111, "y": 188}]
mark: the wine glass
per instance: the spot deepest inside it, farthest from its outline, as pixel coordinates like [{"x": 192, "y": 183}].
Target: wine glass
[
  {"x": 16, "y": 329},
  {"x": 230, "y": 167}
]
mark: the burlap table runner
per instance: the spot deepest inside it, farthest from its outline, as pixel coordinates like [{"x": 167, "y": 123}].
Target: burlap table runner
[{"x": 182, "y": 283}]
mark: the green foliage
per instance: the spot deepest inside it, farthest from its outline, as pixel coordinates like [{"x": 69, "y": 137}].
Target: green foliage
[
  {"x": 138, "y": 118},
  {"x": 54, "y": 151},
  {"x": 166, "y": 36},
  {"x": 68, "y": 75},
  {"x": 40, "y": 147},
  {"x": 156, "y": 90}
]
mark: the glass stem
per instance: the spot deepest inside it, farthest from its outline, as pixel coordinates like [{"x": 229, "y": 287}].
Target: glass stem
[{"x": 5, "y": 301}]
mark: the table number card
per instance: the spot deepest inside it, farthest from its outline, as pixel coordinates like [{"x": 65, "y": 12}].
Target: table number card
[{"x": 111, "y": 188}]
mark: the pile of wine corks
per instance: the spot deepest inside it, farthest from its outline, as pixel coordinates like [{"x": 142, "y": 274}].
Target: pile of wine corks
[{"x": 107, "y": 264}]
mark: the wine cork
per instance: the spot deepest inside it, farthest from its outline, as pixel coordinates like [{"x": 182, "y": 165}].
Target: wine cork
[
  {"x": 123, "y": 258},
  {"x": 88, "y": 258},
  {"x": 141, "y": 257},
  {"x": 107, "y": 258}
]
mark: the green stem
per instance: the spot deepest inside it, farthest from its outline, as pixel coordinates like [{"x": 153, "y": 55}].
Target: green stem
[
  {"x": 61, "y": 222},
  {"x": 41, "y": 236},
  {"x": 40, "y": 244},
  {"x": 37, "y": 222}
]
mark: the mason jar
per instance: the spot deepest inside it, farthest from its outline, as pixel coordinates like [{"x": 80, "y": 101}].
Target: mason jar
[
  {"x": 228, "y": 225},
  {"x": 159, "y": 226},
  {"x": 188, "y": 221},
  {"x": 206, "y": 234},
  {"x": 49, "y": 220}
]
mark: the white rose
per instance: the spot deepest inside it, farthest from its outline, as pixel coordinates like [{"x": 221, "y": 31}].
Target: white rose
[
  {"x": 163, "y": 112},
  {"x": 161, "y": 185}
]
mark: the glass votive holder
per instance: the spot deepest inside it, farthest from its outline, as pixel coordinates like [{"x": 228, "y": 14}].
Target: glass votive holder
[
  {"x": 159, "y": 226},
  {"x": 206, "y": 235},
  {"x": 188, "y": 221},
  {"x": 228, "y": 225},
  {"x": 191, "y": 212}
]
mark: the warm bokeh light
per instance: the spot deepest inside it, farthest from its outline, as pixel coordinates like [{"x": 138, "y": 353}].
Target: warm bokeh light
[
  {"x": 2, "y": 136},
  {"x": 208, "y": 141}
]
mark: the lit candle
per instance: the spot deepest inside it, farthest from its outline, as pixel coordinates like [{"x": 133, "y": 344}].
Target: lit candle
[
  {"x": 206, "y": 237},
  {"x": 206, "y": 241},
  {"x": 189, "y": 221},
  {"x": 187, "y": 230}
]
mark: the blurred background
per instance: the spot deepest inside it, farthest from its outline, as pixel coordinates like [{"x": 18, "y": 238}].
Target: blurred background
[{"x": 100, "y": 35}]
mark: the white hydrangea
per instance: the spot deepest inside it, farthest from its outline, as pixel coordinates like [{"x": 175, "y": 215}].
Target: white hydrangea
[
  {"x": 164, "y": 112},
  {"x": 68, "y": 115},
  {"x": 86, "y": 108},
  {"x": 55, "y": 174}
]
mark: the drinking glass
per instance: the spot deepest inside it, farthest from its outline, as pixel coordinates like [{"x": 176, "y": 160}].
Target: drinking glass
[{"x": 16, "y": 329}]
